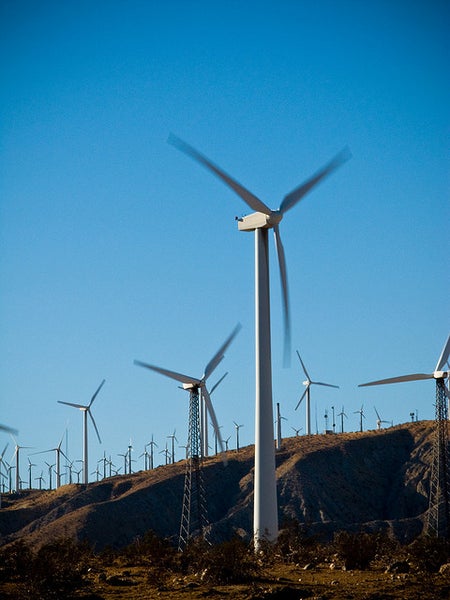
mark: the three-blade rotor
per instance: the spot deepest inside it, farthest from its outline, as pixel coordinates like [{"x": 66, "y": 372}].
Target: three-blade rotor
[
  {"x": 87, "y": 408},
  {"x": 200, "y": 383},
  {"x": 275, "y": 216},
  {"x": 310, "y": 382}
]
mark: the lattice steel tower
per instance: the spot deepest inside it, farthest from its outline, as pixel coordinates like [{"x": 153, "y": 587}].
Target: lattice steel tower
[
  {"x": 438, "y": 517},
  {"x": 194, "y": 517}
]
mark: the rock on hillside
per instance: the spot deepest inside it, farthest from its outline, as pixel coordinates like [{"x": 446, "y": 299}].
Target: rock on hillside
[{"x": 375, "y": 480}]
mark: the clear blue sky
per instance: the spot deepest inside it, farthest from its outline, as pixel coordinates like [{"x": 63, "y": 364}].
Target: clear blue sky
[{"x": 114, "y": 246}]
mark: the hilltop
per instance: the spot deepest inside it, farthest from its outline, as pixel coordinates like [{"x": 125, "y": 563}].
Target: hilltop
[{"x": 375, "y": 480}]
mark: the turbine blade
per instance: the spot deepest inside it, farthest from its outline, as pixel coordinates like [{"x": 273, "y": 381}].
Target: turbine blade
[
  {"x": 378, "y": 415},
  {"x": 218, "y": 383},
  {"x": 214, "y": 421},
  {"x": 285, "y": 297},
  {"x": 444, "y": 355},
  {"x": 249, "y": 198},
  {"x": 72, "y": 404},
  {"x": 413, "y": 377},
  {"x": 96, "y": 393},
  {"x": 172, "y": 374},
  {"x": 291, "y": 199},
  {"x": 303, "y": 366},
  {"x": 4, "y": 450},
  {"x": 325, "y": 384},
  {"x": 219, "y": 355},
  {"x": 8, "y": 429},
  {"x": 95, "y": 426},
  {"x": 299, "y": 402}
]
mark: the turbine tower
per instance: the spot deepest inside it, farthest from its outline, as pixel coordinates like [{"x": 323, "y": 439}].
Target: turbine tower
[
  {"x": 193, "y": 514},
  {"x": 265, "y": 516},
  {"x": 86, "y": 410},
  {"x": 308, "y": 383},
  {"x": 438, "y": 517}
]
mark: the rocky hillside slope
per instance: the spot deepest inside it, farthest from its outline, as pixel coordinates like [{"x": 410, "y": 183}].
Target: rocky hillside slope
[{"x": 375, "y": 480}]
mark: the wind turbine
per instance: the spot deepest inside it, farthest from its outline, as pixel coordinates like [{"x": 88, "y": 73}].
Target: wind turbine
[
  {"x": 30, "y": 467},
  {"x": 379, "y": 420},
  {"x": 193, "y": 514},
  {"x": 237, "y": 434},
  {"x": 58, "y": 460},
  {"x": 151, "y": 444},
  {"x": 308, "y": 383},
  {"x": 173, "y": 437},
  {"x": 265, "y": 517},
  {"x": 40, "y": 479},
  {"x": 16, "y": 456},
  {"x": 342, "y": 415},
  {"x": 226, "y": 443},
  {"x": 278, "y": 424},
  {"x": 362, "y": 416},
  {"x": 50, "y": 468},
  {"x": 198, "y": 386},
  {"x": 86, "y": 410},
  {"x": 297, "y": 431},
  {"x": 438, "y": 517}
]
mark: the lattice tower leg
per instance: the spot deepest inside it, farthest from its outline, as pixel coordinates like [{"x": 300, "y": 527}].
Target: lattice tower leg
[
  {"x": 438, "y": 517},
  {"x": 194, "y": 519}
]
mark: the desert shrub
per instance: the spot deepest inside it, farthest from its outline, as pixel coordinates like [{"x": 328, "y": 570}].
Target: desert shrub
[
  {"x": 14, "y": 561},
  {"x": 229, "y": 562},
  {"x": 150, "y": 549},
  {"x": 52, "y": 573},
  {"x": 294, "y": 545},
  {"x": 356, "y": 550},
  {"x": 429, "y": 553}
]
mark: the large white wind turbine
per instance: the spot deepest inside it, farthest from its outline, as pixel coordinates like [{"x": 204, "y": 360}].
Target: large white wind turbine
[
  {"x": 86, "y": 410},
  {"x": 265, "y": 518},
  {"x": 308, "y": 383}
]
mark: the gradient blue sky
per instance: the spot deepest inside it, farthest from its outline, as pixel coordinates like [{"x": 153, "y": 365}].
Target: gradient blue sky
[{"x": 115, "y": 246}]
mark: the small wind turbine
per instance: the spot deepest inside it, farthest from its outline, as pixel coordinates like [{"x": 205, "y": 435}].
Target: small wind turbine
[
  {"x": 30, "y": 467},
  {"x": 173, "y": 437},
  {"x": 226, "y": 443},
  {"x": 237, "y": 434},
  {"x": 265, "y": 516},
  {"x": 308, "y": 383},
  {"x": 362, "y": 416},
  {"x": 166, "y": 453},
  {"x": 40, "y": 479},
  {"x": 151, "y": 444},
  {"x": 50, "y": 469},
  {"x": 379, "y": 420},
  {"x": 16, "y": 456},
  {"x": 86, "y": 410},
  {"x": 297, "y": 431},
  {"x": 342, "y": 415},
  {"x": 58, "y": 460},
  {"x": 278, "y": 424}
]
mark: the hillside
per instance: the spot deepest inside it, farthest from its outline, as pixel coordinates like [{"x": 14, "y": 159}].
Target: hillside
[{"x": 372, "y": 480}]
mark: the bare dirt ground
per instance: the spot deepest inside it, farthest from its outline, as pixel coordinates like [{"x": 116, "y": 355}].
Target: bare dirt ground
[{"x": 278, "y": 583}]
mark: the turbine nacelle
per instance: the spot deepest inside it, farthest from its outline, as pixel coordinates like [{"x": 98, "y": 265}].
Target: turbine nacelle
[
  {"x": 259, "y": 220},
  {"x": 441, "y": 374}
]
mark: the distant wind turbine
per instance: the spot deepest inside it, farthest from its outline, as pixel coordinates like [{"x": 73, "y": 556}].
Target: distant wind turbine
[
  {"x": 237, "y": 434},
  {"x": 362, "y": 416},
  {"x": 265, "y": 516},
  {"x": 16, "y": 456},
  {"x": 86, "y": 410},
  {"x": 173, "y": 438},
  {"x": 278, "y": 424},
  {"x": 379, "y": 419},
  {"x": 342, "y": 415},
  {"x": 308, "y": 383},
  {"x": 58, "y": 460}
]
